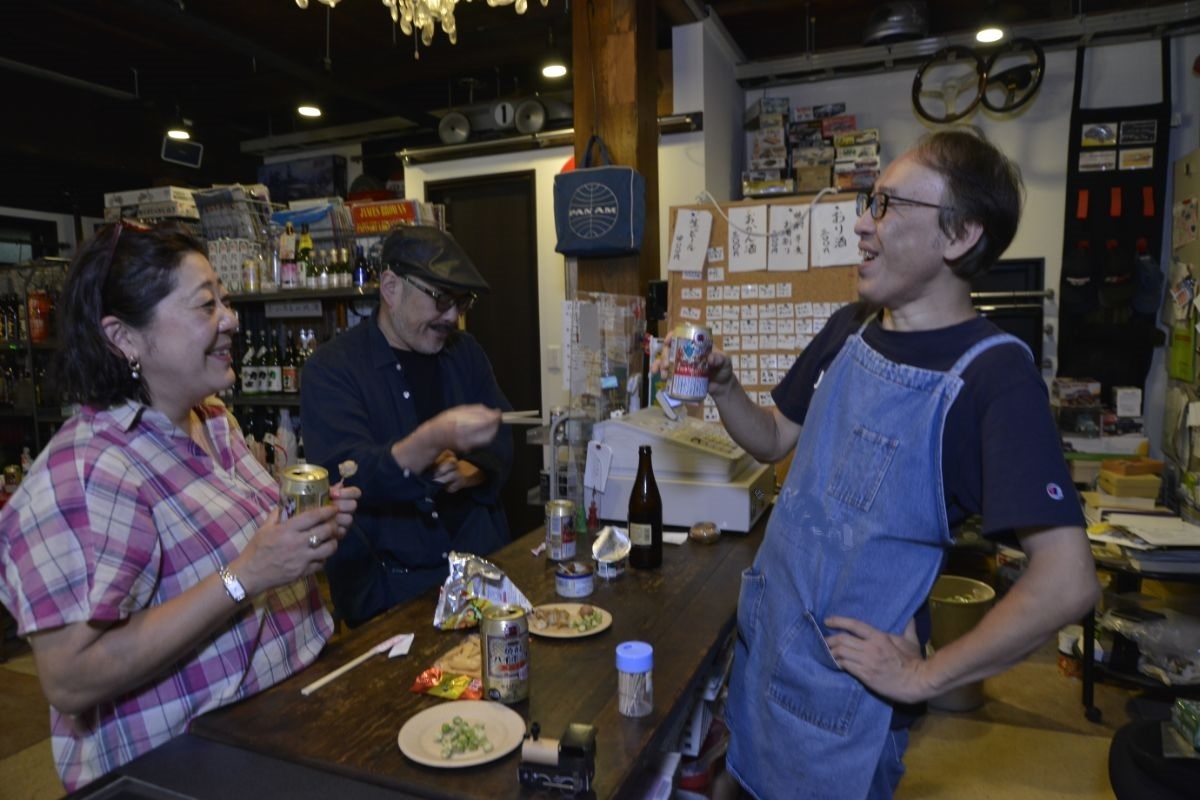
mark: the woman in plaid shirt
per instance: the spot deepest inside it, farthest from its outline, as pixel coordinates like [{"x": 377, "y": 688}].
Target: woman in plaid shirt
[{"x": 143, "y": 555}]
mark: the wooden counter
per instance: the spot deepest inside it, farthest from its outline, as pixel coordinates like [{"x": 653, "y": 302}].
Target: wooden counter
[{"x": 686, "y": 610}]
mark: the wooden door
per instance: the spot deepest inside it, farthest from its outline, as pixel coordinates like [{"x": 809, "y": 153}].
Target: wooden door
[{"x": 493, "y": 218}]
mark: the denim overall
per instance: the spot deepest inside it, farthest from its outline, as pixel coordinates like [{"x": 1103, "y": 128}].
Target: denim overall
[{"x": 859, "y": 530}]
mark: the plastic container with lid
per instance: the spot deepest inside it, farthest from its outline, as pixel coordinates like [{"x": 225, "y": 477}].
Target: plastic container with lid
[{"x": 635, "y": 683}]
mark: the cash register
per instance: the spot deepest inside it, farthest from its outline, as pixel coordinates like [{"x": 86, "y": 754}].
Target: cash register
[{"x": 702, "y": 474}]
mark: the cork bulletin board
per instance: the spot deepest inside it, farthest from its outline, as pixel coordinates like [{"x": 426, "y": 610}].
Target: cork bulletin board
[{"x": 765, "y": 280}]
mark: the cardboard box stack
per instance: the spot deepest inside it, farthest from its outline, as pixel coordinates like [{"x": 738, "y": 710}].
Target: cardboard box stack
[
  {"x": 154, "y": 203},
  {"x": 767, "y": 166},
  {"x": 1125, "y": 485},
  {"x": 807, "y": 149}
]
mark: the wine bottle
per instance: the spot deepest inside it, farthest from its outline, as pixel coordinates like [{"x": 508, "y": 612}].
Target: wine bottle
[
  {"x": 645, "y": 516},
  {"x": 291, "y": 381},
  {"x": 274, "y": 367}
]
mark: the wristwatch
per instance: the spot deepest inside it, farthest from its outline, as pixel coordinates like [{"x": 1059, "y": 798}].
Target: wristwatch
[{"x": 233, "y": 587}]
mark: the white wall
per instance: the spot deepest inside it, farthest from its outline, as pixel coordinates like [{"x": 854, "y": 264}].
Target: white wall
[{"x": 1037, "y": 138}]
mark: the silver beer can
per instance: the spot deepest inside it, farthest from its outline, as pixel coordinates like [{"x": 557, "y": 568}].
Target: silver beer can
[
  {"x": 560, "y": 530},
  {"x": 504, "y": 634},
  {"x": 302, "y": 487},
  {"x": 689, "y": 362}
]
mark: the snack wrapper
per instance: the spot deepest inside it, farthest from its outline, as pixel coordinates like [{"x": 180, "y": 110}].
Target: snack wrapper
[
  {"x": 473, "y": 585},
  {"x": 434, "y": 681}
]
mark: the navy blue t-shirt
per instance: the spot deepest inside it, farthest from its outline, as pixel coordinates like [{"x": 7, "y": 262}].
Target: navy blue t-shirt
[{"x": 1001, "y": 452}]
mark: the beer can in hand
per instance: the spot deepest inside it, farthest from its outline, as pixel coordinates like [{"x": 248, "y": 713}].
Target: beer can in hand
[
  {"x": 689, "y": 362},
  {"x": 302, "y": 487}
]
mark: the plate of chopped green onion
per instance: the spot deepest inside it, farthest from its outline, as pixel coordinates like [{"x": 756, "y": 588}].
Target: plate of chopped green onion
[{"x": 461, "y": 733}]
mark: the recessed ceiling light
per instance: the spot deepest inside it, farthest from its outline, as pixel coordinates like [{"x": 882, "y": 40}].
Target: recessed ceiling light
[{"x": 308, "y": 110}]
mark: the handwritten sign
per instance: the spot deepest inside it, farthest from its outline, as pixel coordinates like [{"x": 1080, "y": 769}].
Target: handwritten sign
[
  {"x": 689, "y": 241},
  {"x": 834, "y": 243},
  {"x": 787, "y": 248},
  {"x": 747, "y": 238}
]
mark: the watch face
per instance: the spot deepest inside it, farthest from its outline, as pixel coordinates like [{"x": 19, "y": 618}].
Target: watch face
[{"x": 233, "y": 586}]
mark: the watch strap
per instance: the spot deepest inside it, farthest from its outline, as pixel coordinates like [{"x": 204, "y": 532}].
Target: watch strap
[{"x": 233, "y": 587}]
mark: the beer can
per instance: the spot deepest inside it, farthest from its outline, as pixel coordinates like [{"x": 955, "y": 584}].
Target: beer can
[
  {"x": 504, "y": 632},
  {"x": 560, "y": 530},
  {"x": 12, "y": 478},
  {"x": 689, "y": 362},
  {"x": 302, "y": 487}
]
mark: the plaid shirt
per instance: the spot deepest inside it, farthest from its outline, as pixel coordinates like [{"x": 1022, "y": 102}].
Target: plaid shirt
[{"x": 123, "y": 511}]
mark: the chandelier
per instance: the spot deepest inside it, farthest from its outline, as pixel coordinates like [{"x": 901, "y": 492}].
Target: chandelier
[{"x": 420, "y": 15}]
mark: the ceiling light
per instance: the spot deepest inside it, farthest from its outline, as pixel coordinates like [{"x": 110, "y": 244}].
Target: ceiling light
[
  {"x": 310, "y": 110},
  {"x": 180, "y": 129},
  {"x": 553, "y": 66},
  {"x": 989, "y": 34},
  {"x": 420, "y": 15}
]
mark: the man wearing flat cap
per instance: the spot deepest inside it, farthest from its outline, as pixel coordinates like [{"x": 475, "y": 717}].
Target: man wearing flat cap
[{"x": 413, "y": 401}]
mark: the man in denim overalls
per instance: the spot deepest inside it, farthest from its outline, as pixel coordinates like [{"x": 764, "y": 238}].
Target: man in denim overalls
[{"x": 916, "y": 413}]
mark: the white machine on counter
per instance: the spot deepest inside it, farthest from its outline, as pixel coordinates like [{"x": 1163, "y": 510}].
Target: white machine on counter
[{"x": 702, "y": 475}]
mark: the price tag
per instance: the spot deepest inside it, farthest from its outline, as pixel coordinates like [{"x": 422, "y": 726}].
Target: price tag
[{"x": 597, "y": 465}]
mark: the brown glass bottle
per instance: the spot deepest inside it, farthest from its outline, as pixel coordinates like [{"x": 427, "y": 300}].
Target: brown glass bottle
[{"x": 645, "y": 516}]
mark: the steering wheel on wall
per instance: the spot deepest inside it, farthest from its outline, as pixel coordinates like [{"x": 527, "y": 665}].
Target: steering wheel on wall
[
  {"x": 959, "y": 78},
  {"x": 1015, "y": 85}
]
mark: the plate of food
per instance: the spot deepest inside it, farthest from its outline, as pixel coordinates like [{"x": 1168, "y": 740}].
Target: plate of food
[
  {"x": 461, "y": 733},
  {"x": 568, "y": 620}
]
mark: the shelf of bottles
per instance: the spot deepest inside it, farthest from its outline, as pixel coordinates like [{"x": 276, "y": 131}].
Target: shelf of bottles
[{"x": 29, "y": 402}]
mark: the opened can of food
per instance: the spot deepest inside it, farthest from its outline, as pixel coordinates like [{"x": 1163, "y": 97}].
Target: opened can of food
[{"x": 573, "y": 579}]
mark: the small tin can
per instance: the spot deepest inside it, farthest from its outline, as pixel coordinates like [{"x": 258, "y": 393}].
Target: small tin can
[
  {"x": 504, "y": 632},
  {"x": 12, "y": 478},
  {"x": 609, "y": 569},
  {"x": 573, "y": 579},
  {"x": 560, "y": 530},
  {"x": 689, "y": 362},
  {"x": 302, "y": 487}
]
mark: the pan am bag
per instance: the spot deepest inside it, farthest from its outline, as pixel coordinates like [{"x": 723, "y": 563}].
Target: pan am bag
[{"x": 599, "y": 211}]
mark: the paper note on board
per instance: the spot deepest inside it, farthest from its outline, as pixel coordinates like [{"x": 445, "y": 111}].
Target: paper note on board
[
  {"x": 689, "y": 241},
  {"x": 833, "y": 241},
  {"x": 747, "y": 238},
  {"x": 787, "y": 247}
]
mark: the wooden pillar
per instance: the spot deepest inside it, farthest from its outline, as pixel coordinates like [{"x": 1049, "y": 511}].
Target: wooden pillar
[{"x": 615, "y": 84}]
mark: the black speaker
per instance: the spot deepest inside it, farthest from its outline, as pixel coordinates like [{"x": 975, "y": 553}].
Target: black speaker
[{"x": 185, "y": 152}]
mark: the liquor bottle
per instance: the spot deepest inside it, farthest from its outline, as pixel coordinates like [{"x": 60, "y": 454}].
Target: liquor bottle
[
  {"x": 289, "y": 269},
  {"x": 645, "y": 516},
  {"x": 325, "y": 270},
  {"x": 261, "y": 377},
  {"x": 289, "y": 367},
  {"x": 305, "y": 242},
  {"x": 362, "y": 273},
  {"x": 345, "y": 269},
  {"x": 247, "y": 374},
  {"x": 274, "y": 367}
]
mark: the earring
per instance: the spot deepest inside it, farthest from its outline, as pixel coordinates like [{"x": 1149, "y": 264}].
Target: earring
[{"x": 135, "y": 369}]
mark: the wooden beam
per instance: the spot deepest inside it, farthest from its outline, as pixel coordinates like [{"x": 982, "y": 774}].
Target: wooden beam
[{"x": 615, "y": 89}]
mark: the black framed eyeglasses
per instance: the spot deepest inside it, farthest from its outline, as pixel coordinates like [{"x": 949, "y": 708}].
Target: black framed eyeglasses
[
  {"x": 442, "y": 301},
  {"x": 878, "y": 203}
]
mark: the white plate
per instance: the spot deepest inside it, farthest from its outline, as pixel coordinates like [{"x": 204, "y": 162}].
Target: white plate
[
  {"x": 504, "y": 728},
  {"x": 570, "y": 633}
]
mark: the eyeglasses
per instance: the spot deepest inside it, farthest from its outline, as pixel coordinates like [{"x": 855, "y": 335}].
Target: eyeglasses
[
  {"x": 442, "y": 301},
  {"x": 878, "y": 203}
]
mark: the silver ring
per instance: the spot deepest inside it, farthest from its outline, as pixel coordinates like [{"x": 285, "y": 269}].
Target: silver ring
[{"x": 314, "y": 541}]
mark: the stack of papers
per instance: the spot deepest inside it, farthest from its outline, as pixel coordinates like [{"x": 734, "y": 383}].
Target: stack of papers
[{"x": 1152, "y": 543}]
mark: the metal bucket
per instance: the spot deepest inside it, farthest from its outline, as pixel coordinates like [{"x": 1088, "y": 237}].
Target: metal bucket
[{"x": 956, "y": 605}]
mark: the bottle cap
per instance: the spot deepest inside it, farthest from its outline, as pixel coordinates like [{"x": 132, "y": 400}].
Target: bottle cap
[{"x": 635, "y": 657}]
